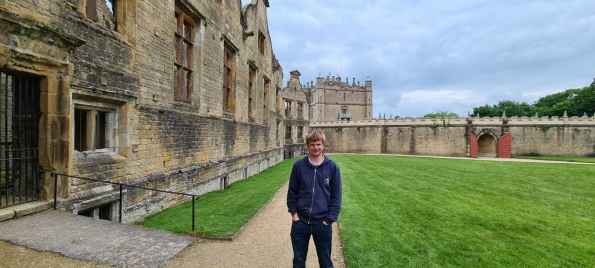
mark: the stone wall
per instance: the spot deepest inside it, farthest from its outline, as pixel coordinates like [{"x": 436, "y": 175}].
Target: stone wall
[
  {"x": 112, "y": 107},
  {"x": 567, "y": 136}
]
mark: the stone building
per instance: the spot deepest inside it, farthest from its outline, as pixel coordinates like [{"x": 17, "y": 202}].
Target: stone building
[
  {"x": 295, "y": 122},
  {"x": 180, "y": 95},
  {"x": 332, "y": 99}
]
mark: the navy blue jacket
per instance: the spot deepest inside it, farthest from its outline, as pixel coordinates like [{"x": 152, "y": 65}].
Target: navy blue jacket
[{"x": 315, "y": 192}]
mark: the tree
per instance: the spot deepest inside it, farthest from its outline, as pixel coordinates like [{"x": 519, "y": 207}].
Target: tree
[
  {"x": 512, "y": 108},
  {"x": 574, "y": 102},
  {"x": 441, "y": 114}
]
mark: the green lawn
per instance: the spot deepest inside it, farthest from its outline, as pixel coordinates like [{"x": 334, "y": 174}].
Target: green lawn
[
  {"x": 566, "y": 159},
  {"x": 221, "y": 214},
  {"x": 432, "y": 212},
  {"x": 424, "y": 212}
]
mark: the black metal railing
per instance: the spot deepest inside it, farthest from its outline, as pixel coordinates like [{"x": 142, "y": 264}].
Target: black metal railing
[{"x": 121, "y": 185}]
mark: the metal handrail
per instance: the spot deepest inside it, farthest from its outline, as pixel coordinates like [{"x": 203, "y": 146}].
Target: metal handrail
[{"x": 55, "y": 175}]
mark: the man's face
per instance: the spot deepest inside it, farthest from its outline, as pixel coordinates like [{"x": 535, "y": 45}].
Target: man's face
[{"x": 315, "y": 148}]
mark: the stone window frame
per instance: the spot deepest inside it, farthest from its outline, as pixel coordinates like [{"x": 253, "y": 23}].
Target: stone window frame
[
  {"x": 261, "y": 39},
  {"x": 116, "y": 128},
  {"x": 300, "y": 109},
  {"x": 230, "y": 55},
  {"x": 277, "y": 135},
  {"x": 300, "y": 132},
  {"x": 90, "y": 128},
  {"x": 277, "y": 97},
  {"x": 265, "y": 98},
  {"x": 252, "y": 70},
  {"x": 288, "y": 132},
  {"x": 99, "y": 212},
  {"x": 184, "y": 60},
  {"x": 288, "y": 104},
  {"x": 90, "y": 207},
  {"x": 102, "y": 11}
]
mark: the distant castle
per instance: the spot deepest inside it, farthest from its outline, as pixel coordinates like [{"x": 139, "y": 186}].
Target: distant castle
[{"x": 331, "y": 99}]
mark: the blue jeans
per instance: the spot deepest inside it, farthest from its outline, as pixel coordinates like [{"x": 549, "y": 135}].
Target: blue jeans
[{"x": 300, "y": 239}]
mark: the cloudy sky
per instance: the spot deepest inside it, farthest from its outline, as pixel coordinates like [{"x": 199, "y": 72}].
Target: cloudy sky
[{"x": 430, "y": 56}]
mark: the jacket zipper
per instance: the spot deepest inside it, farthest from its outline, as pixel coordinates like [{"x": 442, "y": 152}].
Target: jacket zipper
[{"x": 312, "y": 203}]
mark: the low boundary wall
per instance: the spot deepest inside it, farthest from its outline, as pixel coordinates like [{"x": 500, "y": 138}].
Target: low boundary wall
[{"x": 545, "y": 136}]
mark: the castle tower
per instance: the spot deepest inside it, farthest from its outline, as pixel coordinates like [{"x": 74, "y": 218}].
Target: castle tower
[{"x": 333, "y": 99}]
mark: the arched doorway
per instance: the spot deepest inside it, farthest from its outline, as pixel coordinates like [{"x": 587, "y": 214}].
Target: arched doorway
[{"x": 487, "y": 145}]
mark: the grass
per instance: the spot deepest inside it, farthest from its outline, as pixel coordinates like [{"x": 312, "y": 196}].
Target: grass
[
  {"x": 431, "y": 212},
  {"x": 565, "y": 159},
  {"x": 424, "y": 212},
  {"x": 221, "y": 214}
]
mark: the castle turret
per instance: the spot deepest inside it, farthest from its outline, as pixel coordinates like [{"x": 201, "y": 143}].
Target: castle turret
[{"x": 337, "y": 99}]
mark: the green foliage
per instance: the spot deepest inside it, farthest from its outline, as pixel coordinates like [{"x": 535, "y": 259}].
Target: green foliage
[
  {"x": 512, "y": 108},
  {"x": 441, "y": 114},
  {"x": 574, "y": 101},
  {"x": 428, "y": 212},
  {"x": 223, "y": 213},
  {"x": 544, "y": 128},
  {"x": 434, "y": 128}
]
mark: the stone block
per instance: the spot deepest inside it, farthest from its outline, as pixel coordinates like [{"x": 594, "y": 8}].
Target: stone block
[{"x": 7, "y": 214}]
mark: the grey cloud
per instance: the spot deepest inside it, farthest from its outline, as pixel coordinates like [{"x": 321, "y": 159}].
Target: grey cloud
[{"x": 484, "y": 51}]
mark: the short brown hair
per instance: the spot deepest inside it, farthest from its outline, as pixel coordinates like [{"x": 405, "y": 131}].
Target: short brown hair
[{"x": 315, "y": 135}]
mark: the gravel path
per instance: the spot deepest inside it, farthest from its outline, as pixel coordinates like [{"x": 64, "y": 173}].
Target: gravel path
[{"x": 264, "y": 242}]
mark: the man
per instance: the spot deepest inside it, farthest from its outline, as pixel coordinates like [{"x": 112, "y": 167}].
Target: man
[{"x": 314, "y": 201}]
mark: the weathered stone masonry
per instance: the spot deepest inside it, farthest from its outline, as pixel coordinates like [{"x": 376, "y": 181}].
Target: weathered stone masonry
[
  {"x": 494, "y": 137},
  {"x": 113, "y": 107}
]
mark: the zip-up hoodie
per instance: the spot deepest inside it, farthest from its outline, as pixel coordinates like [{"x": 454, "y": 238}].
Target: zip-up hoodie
[{"x": 315, "y": 192}]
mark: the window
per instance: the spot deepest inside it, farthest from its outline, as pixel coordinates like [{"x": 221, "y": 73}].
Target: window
[
  {"x": 183, "y": 70},
  {"x": 261, "y": 42},
  {"x": 288, "y": 134},
  {"x": 228, "y": 79},
  {"x": 103, "y": 212},
  {"x": 300, "y": 110},
  {"x": 287, "y": 108},
  {"x": 278, "y": 98},
  {"x": 92, "y": 130},
  {"x": 251, "y": 78},
  {"x": 300, "y": 132},
  {"x": 99, "y": 124},
  {"x": 277, "y": 136},
  {"x": 265, "y": 95},
  {"x": 101, "y": 11}
]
